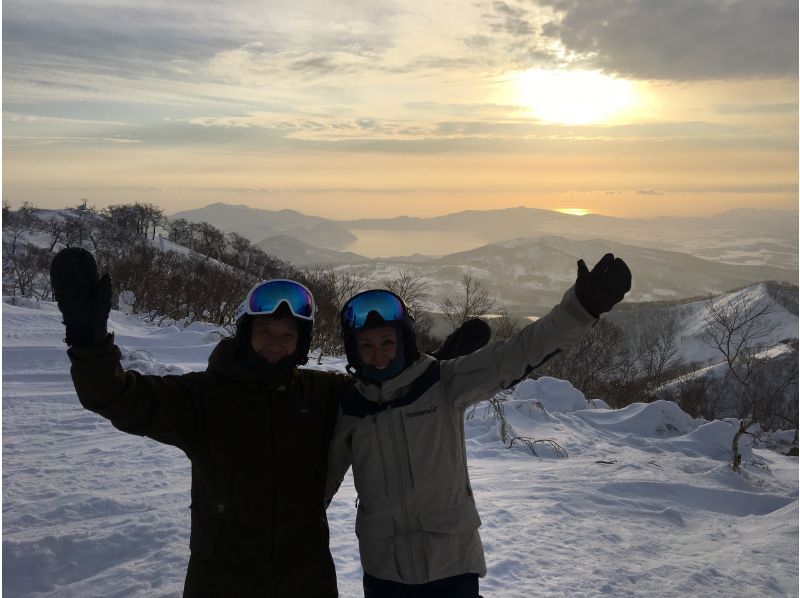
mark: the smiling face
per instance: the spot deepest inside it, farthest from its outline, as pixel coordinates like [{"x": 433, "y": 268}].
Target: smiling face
[
  {"x": 377, "y": 347},
  {"x": 274, "y": 338}
]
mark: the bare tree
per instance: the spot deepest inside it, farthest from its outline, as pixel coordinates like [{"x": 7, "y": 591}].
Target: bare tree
[
  {"x": 739, "y": 330},
  {"x": 179, "y": 231},
  {"x": 599, "y": 364},
  {"x": 473, "y": 301},
  {"x": 331, "y": 288},
  {"x": 78, "y": 224},
  {"x": 239, "y": 250},
  {"x": 137, "y": 218},
  {"x": 656, "y": 355},
  {"x": 26, "y": 272},
  {"x": 17, "y": 223},
  {"x": 412, "y": 289},
  {"x": 210, "y": 241},
  {"x": 54, "y": 227},
  {"x": 23, "y": 263},
  {"x": 504, "y": 326},
  {"x": 102, "y": 234}
]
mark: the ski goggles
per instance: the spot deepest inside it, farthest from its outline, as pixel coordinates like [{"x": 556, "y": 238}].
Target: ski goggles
[
  {"x": 385, "y": 304},
  {"x": 266, "y": 297}
]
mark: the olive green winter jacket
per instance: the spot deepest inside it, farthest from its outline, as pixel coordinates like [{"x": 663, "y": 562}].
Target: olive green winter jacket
[
  {"x": 416, "y": 520},
  {"x": 258, "y": 447}
]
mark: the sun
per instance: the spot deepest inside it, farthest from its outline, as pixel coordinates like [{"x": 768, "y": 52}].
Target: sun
[{"x": 572, "y": 97}]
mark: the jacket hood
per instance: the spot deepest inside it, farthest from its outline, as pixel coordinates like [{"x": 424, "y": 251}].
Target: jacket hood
[
  {"x": 223, "y": 361},
  {"x": 394, "y": 388}
]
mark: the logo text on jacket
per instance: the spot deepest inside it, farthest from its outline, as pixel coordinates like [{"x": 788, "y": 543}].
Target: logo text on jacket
[{"x": 429, "y": 411}]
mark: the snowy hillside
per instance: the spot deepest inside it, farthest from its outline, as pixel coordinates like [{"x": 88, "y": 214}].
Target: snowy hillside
[
  {"x": 644, "y": 503},
  {"x": 692, "y": 318}
]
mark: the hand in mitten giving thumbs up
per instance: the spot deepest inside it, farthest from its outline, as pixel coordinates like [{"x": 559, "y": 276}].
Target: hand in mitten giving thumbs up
[{"x": 83, "y": 298}]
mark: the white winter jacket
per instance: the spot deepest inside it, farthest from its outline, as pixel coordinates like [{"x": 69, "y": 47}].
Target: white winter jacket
[{"x": 416, "y": 519}]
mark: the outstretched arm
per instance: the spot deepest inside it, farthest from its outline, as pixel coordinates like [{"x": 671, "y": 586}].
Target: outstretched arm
[
  {"x": 475, "y": 377},
  {"x": 163, "y": 408}
]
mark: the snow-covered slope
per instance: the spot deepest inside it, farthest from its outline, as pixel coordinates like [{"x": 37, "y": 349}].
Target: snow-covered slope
[
  {"x": 692, "y": 319},
  {"x": 643, "y": 505}
]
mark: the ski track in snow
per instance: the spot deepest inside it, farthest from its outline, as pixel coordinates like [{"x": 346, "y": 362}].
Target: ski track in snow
[{"x": 90, "y": 511}]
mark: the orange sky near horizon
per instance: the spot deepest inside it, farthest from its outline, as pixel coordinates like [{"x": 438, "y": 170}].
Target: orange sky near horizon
[{"x": 370, "y": 111}]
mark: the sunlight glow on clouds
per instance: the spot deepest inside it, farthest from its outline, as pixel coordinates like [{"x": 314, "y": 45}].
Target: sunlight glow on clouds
[
  {"x": 487, "y": 101},
  {"x": 572, "y": 97}
]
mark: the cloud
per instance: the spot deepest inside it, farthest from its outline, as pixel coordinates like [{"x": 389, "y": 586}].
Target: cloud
[
  {"x": 111, "y": 38},
  {"x": 682, "y": 188},
  {"x": 475, "y": 132},
  {"x": 102, "y": 43},
  {"x": 782, "y": 108},
  {"x": 52, "y": 140},
  {"x": 680, "y": 40},
  {"x": 513, "y": 20}
]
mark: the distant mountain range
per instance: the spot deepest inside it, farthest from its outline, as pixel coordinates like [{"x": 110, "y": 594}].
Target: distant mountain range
[
  {"x": 747, "y": 237},
  {"x": 258, "y": 225},
  {"x": 292, "y": 249},
  {"x": 671, "y": 258}
]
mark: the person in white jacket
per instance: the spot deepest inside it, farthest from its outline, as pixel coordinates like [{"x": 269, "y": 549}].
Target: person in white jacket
[{"x": 401, "y": 427}]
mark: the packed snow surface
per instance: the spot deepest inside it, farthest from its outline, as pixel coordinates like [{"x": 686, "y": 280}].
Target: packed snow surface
[{"x": 644, "y": 503}]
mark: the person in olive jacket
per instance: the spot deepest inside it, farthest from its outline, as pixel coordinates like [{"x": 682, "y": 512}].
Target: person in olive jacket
[{"x": 255, "y": 427}]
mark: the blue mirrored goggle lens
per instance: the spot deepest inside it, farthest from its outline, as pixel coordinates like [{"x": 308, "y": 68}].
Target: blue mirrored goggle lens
[
  {"x": 386, "y": 305},
  {"x": 266, "y": 298}
]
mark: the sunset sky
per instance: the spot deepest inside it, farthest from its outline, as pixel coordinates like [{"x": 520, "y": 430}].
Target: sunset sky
[{"x": 376, "y": 108}]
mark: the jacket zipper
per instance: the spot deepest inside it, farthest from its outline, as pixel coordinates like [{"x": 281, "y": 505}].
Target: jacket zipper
[
  {"x": 384, "y": 461},
  {"x": 410, "y": 552}
]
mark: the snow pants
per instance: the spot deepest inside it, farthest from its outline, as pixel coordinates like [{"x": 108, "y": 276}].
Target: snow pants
[{"x": 458, "y": 586}]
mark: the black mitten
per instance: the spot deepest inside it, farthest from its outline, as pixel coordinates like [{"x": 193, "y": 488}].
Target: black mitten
[
  {"x": 603, "y": 287},
  {"x": 470, "y": 336},
  {"x": 83, "y": 298}
]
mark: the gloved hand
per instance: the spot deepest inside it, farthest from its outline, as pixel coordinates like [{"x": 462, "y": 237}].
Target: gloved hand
[
  {"x": 603, "y": 287},
  {"x": 83, "y": 298},
  {"x": 470, "y": 336}
]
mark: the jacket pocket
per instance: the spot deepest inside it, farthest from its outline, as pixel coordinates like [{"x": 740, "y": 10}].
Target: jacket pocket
[
  {"x": 452, "y": 521},
  {"x": 451, "y": 542},
  {"x": 206, "y": 532},
  {"x": 374, "y": 528},
  {"x": 376, "y": 543}
]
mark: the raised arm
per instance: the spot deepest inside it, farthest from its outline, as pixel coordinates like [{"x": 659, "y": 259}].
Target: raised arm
[
  {"x": 502, "y": 364},
  {"x": 161, "y": 408}
]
